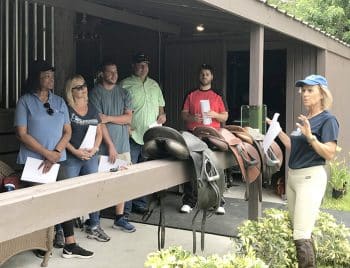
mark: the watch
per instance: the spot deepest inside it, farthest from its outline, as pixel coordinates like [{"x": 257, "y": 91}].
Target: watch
[{"x": 311, "y": 139}]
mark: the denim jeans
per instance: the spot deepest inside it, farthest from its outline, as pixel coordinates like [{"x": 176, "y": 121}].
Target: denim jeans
[
  {"x": 136, "y": 157},
  {"x": 74, "y": 167}
]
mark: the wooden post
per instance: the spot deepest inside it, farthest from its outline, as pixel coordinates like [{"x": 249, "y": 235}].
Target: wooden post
[{"x": 255, "y": 99}]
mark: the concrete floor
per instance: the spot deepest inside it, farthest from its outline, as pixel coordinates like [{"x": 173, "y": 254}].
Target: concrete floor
[{"x": 130, "y": 250}]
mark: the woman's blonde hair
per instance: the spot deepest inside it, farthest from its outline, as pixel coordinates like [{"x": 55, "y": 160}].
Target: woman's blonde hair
[
  {"x": 69, "y": 88},
  {"x": 327, "y": 99}
]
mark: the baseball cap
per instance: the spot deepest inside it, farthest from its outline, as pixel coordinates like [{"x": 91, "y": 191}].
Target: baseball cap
[
  {"x": 140, "y": 57},
  {"x": 312, "y": 80},
  {"x": 41, "y": 66}
]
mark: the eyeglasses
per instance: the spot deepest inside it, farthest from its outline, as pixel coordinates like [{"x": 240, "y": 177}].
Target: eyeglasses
[
  {"x": 49, "y": 110},
  {"x": 80, "y": 87}
]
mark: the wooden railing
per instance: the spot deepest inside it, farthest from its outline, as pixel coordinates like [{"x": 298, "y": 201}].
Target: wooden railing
[{"x": 26, "y": 210}]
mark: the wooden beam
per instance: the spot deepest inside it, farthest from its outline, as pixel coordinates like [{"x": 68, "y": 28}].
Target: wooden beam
[
  {"x": 256, "y": 99},
  {"x": 81, "y": 6},
  {"x": 256, "y": 66},
  {"x": 34, "y": 208},
  {"x": 260, "y": 13}
]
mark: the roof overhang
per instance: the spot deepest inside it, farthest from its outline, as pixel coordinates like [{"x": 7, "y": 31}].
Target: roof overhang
[{"x": 220, "y": 18}]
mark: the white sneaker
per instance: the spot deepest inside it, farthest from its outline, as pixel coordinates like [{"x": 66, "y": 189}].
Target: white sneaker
[
  {"x": 185, "y": 209},
  {"x": 220, "y": 211}
]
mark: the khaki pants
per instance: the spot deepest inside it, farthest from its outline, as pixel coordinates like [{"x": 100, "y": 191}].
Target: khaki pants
[{"x": 305, "y": 190}]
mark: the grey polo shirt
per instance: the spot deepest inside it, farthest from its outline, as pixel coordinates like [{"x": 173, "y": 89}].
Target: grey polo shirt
[
  {"x": 113, "y": 102},
  {"x": 46, "y": 129}
]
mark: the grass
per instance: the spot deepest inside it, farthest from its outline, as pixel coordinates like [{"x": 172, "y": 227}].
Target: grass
[{"x": 342, "y": 204}]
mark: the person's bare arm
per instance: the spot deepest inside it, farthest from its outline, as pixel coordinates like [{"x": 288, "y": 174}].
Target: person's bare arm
[
  {"x": 221, "y": 117},
  {"x": 327, "y": 150},
  {"x": 31, "y": 143},
  {"x": 187, "y": 117},
  {"x": 50, "y": 156},
  {"x": 112, "y": 152},
  {"x": 161, "y": 119},
  {"x": 123, "y": 119},
  {"x": 284, "y": 138}
]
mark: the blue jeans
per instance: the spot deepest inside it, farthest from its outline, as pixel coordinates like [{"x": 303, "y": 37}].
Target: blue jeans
[
  {"x": 136, "y": 157},
  {"x": 74, "y": 167}
]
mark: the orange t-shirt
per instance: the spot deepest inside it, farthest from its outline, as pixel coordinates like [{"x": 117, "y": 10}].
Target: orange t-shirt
[{"x": 192, "y": 105}]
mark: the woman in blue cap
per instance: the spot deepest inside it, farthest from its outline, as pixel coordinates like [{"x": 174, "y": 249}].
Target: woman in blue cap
[{"x": 312, "y": 143}]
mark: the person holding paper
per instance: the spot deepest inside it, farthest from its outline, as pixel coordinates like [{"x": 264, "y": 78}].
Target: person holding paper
[
  {"x": 82, "y": 149},
  {"x": 114, "y": 105},
  {"x": 203, "y": 106},
  {"x": 43, "y": 128},
  {"x": 148, "y": 110},
  {"x": 312, "y": 143}
]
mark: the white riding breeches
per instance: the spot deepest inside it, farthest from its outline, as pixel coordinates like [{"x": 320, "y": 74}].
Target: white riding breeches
[{"x": 305, "y": 190}]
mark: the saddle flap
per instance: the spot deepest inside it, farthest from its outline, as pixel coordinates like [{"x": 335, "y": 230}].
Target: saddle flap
[{"x": 193, "y": 143}]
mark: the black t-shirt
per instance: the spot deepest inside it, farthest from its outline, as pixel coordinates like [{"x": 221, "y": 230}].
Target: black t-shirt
[
  {"x": 326, "y": 128},
  {"x": 80, "y": 124}
]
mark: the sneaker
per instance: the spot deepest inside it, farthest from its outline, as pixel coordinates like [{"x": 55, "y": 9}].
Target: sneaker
[
  {"x": 76, "y": 252},
  {"x": 185, "y": 209},
  {"x": 220, "y": 211},
  {"x": 58, "y": 242},
  {"x": 124, "y": 225},
  {"x": 97, "y": 233},
  {"x": 41, "y": 253}
]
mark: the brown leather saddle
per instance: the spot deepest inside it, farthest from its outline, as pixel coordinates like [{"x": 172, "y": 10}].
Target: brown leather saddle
[
  {"x": 245, "y": 154},
  {"x": 208, "y": 176},
  {"x": 271, "y": 160}
]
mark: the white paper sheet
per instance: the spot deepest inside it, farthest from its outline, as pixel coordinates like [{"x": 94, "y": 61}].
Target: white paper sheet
[
  {"x": 33, "y": 174},
  {"x": 205, "y": 107},
  {"x": 89, "y": 139},
  {"x": 272, "y": 133},
  {"x": 104, "y": 165},
  {"x": 155, "y": 124}
]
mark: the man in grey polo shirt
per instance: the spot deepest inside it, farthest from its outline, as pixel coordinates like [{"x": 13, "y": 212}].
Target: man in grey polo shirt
[{"x": 114, "y": 104}]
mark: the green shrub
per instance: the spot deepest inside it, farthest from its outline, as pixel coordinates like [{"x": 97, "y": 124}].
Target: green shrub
[
  {"x": 266, "y": 243},
  {"x": 271, "y": 240},
  {"x": 176, "y": 257}
]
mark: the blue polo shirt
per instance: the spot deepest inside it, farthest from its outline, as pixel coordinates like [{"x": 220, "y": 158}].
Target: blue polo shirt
[
  {"x": 302, "y": 155},
  {"x": 44, "y": 128}
]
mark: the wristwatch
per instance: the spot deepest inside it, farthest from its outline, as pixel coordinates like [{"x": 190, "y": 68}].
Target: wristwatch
[{"x": 311, "y": 139}]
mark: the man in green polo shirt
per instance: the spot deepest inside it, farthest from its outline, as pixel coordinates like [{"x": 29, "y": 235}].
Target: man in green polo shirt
[{"x": 148, "y": 110}]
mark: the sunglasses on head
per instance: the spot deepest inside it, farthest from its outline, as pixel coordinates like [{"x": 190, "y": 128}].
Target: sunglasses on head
[
  {"x": 80, "y": 87},
  {"x": 49, "y": 110}
]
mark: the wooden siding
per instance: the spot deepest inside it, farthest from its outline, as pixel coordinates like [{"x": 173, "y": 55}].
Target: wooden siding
[
  {"x": 301, "y": 61},
  {"x": 182, "y": 62},
  {"x": 9, "y": 144},
  {"x": 337, "y": 73}
]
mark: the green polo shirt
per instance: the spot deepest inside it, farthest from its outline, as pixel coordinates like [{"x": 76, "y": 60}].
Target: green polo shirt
[{"x": 146, "y": 98}]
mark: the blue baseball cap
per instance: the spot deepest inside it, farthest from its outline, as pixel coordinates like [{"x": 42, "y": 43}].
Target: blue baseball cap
[{"x": 312, "y": 80}]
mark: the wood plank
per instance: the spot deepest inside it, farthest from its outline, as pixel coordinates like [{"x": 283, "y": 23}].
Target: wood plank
[
  {"x": 6, "y": 120},
  {"x": 9, "y": 144},
  {"x": 45, "y": 205},
  {"x": 113, "y": 14}
]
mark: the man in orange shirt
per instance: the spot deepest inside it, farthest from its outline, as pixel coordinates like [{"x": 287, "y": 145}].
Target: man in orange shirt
[{"x": 193, "y": 117}]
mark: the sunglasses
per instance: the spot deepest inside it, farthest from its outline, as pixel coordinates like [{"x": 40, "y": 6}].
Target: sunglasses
[
  {"x": 80, "y": 87},
  {"x": 49, "y": 110}
]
